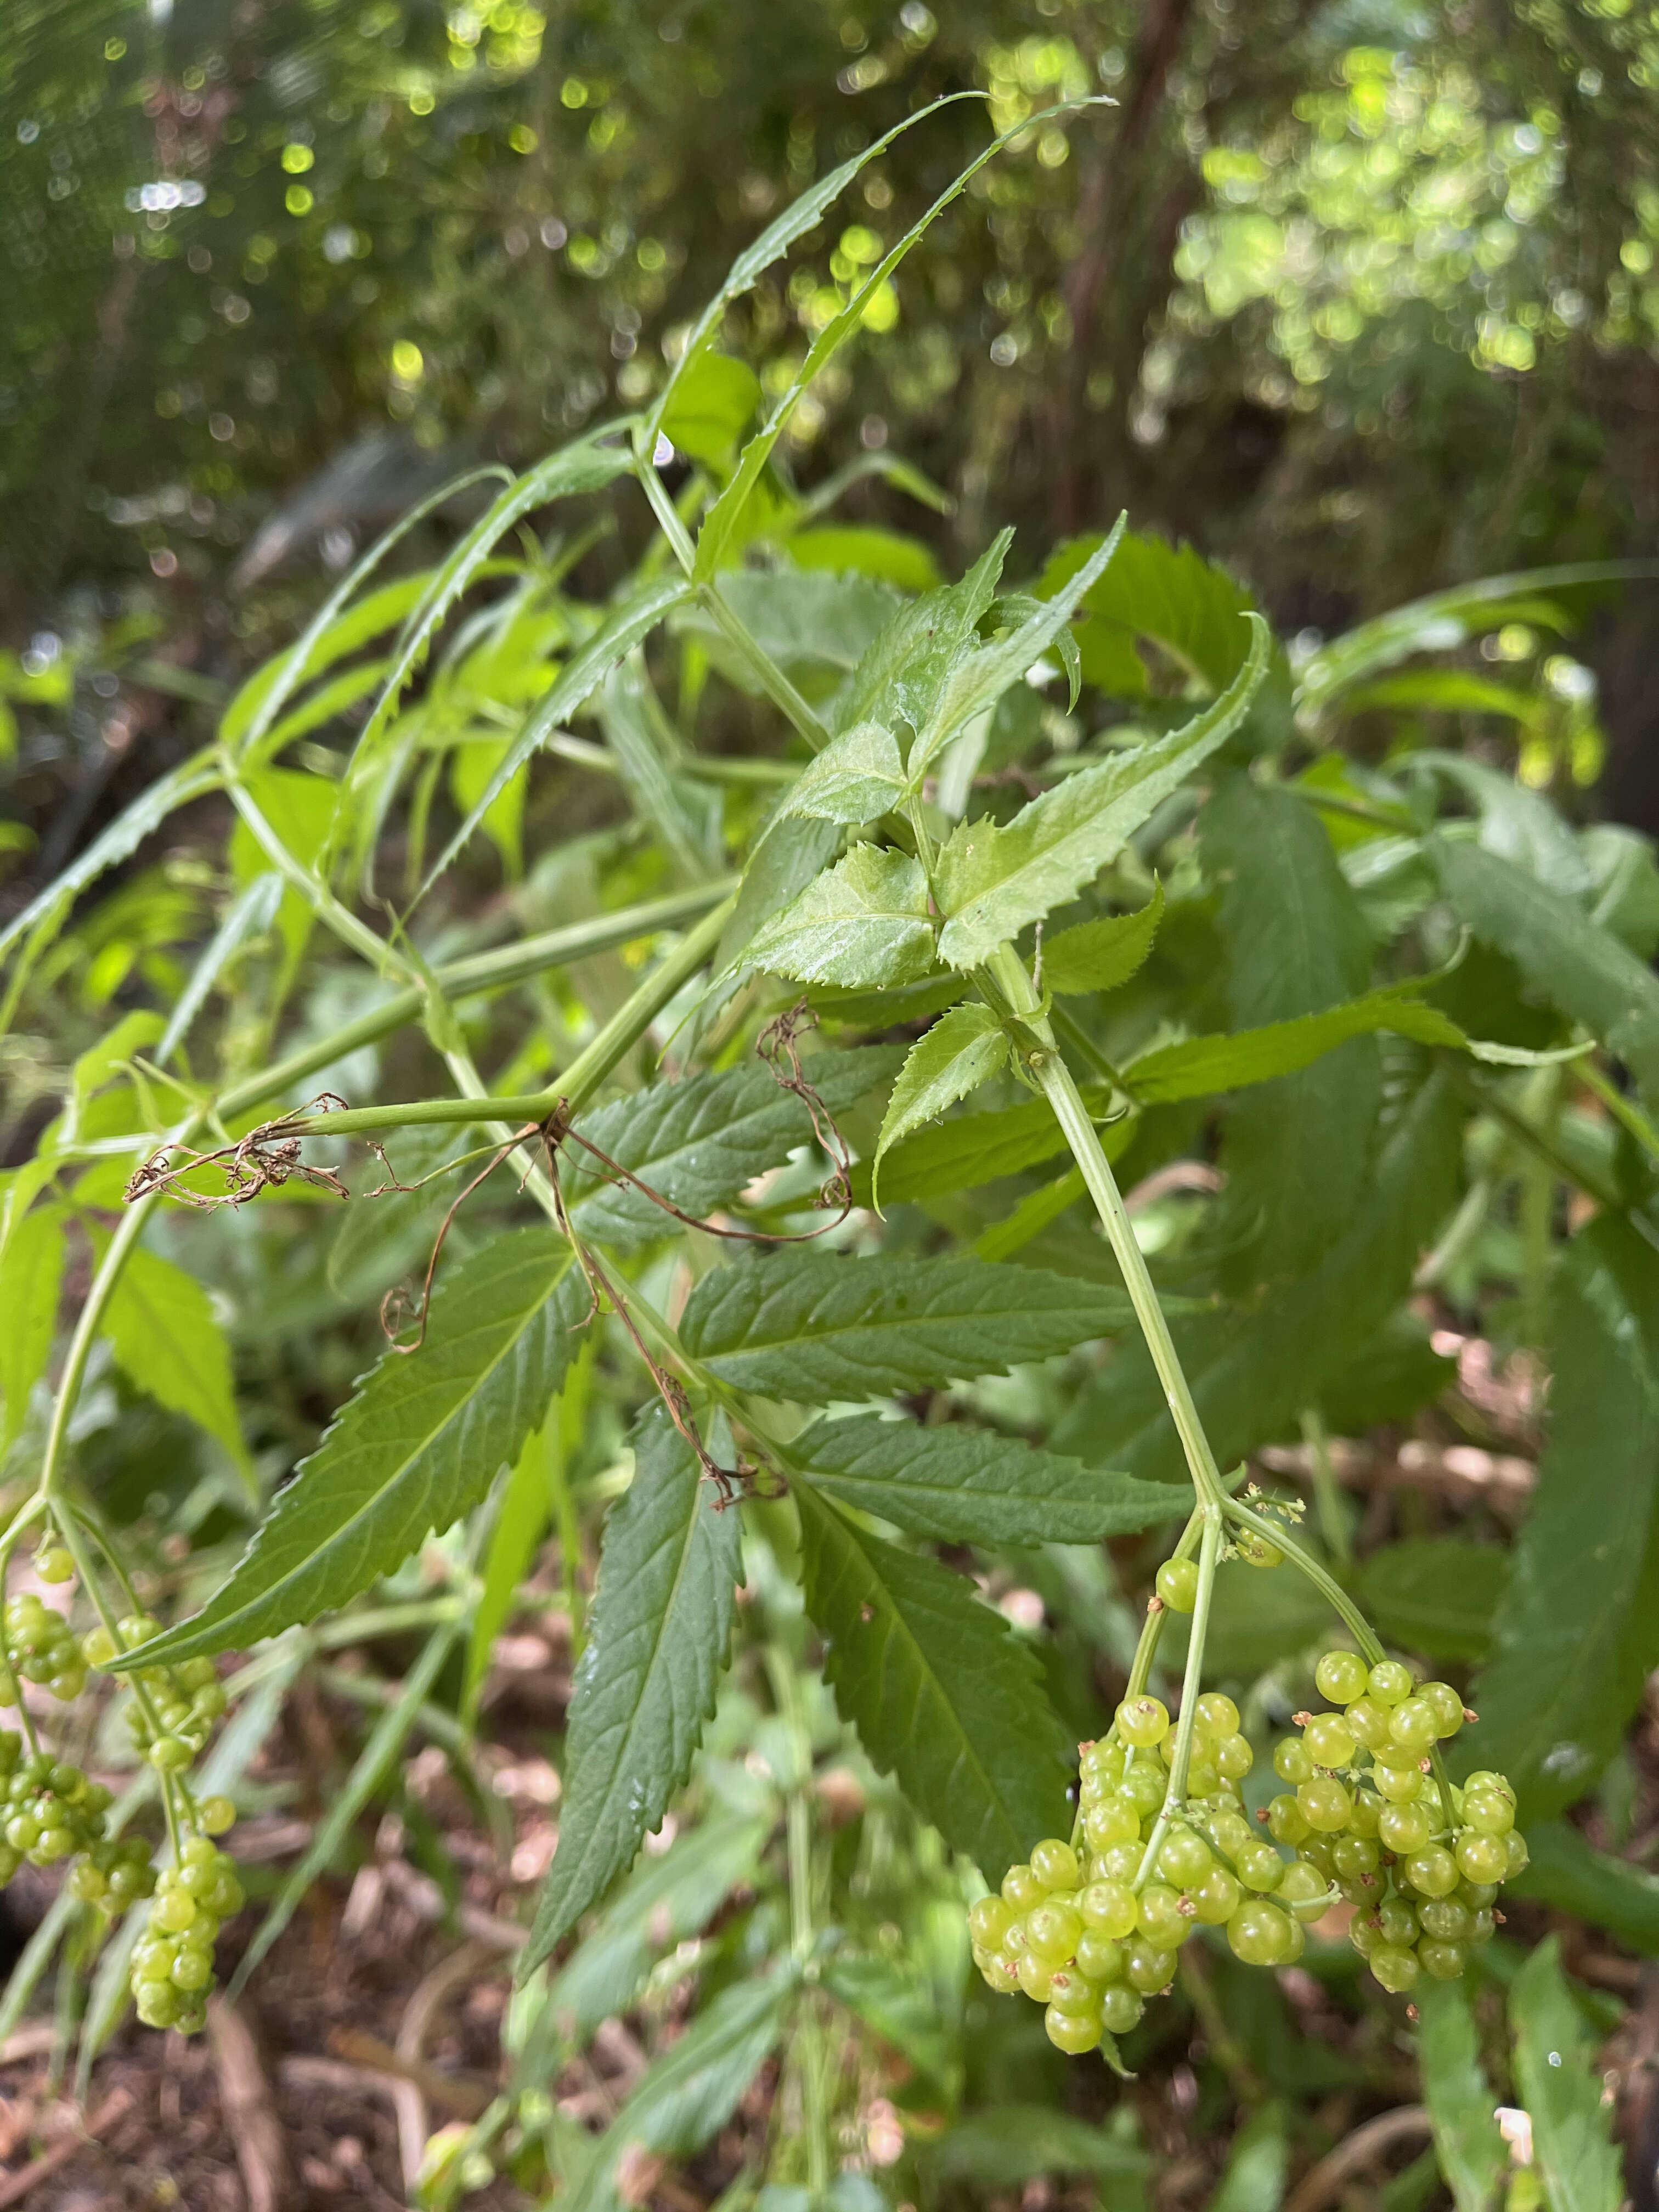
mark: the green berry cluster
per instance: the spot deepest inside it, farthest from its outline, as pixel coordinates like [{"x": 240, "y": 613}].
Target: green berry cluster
[
  {"x": 185, "y": 1700},
  {"x": 172, "y": 1959},
  {"x": 48, "y": 1809},
  {"x": 1077, "y": 1931},
  {"x": 40, "y": 1646},
  {"x": 1421, "y": 1861},
  {"x": 1088, "y": 1930}
]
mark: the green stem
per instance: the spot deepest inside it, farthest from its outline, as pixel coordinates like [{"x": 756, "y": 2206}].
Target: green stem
[
  {"x": 1274, "y": 1532},
  {"x": 1056, "y": 1081},
  {"x": 479, "y": 971},
  {"x": 580, "y": 1080},
  {"x": 1507, "y": 1116},
  {"x": 1622, "y": 1109},
  {"x": 1209, "y": 1555},
  {"x": 764, "y": 670}
]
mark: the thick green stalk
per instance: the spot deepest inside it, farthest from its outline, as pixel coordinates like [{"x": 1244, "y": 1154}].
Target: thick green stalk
[
  {"x": 764, "y": 670},
  {"x": 1056, "y": 1081},
  {"x": 580, "y": 1080},
  {"x": 1275, "y": 1533},
  {"x": 1209, "y": 1555}
]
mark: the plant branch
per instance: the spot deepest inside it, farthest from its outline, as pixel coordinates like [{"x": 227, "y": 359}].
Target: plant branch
[
  {"x": 1274, "y": 1532},
  {"x": 764, "y": 670},
  {"x": 1209, "y": 1554}
]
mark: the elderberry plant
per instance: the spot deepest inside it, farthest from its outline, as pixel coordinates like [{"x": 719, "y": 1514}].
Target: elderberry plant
[{"x": 1345, "y": 1016}]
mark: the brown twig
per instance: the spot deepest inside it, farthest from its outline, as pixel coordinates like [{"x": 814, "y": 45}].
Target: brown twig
[
  {"x": 1320, "y": 2184},
  {"x": 17, "y": 2188},
  {"x": 250, "y": 2116},
  {"x": 265, "y": 1159}
]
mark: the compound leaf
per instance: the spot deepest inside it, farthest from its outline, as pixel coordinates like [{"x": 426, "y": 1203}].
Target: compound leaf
[
  {"x": 1578, "y": 1632},
  {"x": 814, "y": 1327},
  {"x": 942, "y": 1693},
  {"x": 966, "y": 1485},
  {"x": 963, "y": 1049},
  {"x": 993, "y": 880},
  {"x": 857, "y": 777},
  {"x": 1168, "y": 594},
  {"x": 626, "y": 625},
  {"x": 669, "y": 1567},
  {"x": 904, "y": 668},
  {"x": 1560, "y": 2087},
  {"x": 864, "y": 924},
  {"x": 700, "y": 1141},
  {"x": 1098, "y": 956},
  {"x": 1582, "y": 970},
  {"x": 1201, "y": 1067},
  {"x": 418, "y": 1444}
]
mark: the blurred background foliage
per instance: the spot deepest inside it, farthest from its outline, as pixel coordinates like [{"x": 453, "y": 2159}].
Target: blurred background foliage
[{"x": 1360, "y": 298}]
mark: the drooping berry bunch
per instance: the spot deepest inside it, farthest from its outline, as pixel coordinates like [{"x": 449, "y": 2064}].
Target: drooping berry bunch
[
  {"x": 1420, "y": 1858},
  {"x": 40, "y": 1646},
  {"x": 49, "y": 1808},
  {"x": 184, "y": 1700},
  {"x": 1089, "y": 1929},
  {"x": 173, "y": 1959}
]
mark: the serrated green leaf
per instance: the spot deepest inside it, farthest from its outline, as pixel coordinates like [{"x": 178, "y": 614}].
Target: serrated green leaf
[
  {"x": 864, "y": 925},
  {"x": 1253, "y": 1372},
  {"x": 685, "y": 815},
  {"x": 419, "y": 1442},
  {"x": 942, "y": 1693},
  {"x": 1567, "y": 1872},
  {"x": 300, "y": 810},
  {"x": 977, "y": 1148},
  {"x": 1436, "y": 624},
  {"x": 1436, "y": 1595},
  {"x": 802, "y": 215},
  {"x": 625, "y": 625},
  {"x": 1297, "y": 1155},
  {"x": 720, "y": 524},
  {"x": 992, "y": 881},
  {"x": 975, "y": 681},
  {"x": 966, "y": 1485},
  {"x": 1578, "y": 1631},
  {"x": 815, "y": 1327},
  {"x": 1515, "y": 823},
  {"x": 1472, "y": 2154},
  {"x": 669, "y": 1567},
  {"x": 584, "y": 465},
  {"x": 191, "y": 780},
  {"x": 1560, "y": 2087},
  {"x": 1099, "y": 956},
  {"x": 856, "y": 778},
  {"x": 247, "y": 917},
  {"x": 793, "y": 853},
  {"x": 711, "y": 407},
  {"x": 1583, "y": 971},
  {"x": 903, "y": 669},
  {"x": 168, "y": 1341},
  {"x": 31, "y": 1280},
  {"x": 1169, "y": 594},
  {"x": 1202, "y": 1067},
  {"x": 688, "y": 2094},
  {"x": 963, "y": 1049},
  {"x": 703, "y": 1140}
]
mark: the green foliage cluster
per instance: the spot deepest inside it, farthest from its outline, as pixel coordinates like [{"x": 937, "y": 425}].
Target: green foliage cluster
[{"x": 1043, "y": 890}]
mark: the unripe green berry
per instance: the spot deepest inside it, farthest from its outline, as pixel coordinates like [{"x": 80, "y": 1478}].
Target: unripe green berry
[
  {"x": 1054, "y": 1864},
  {"x": 1341, "y": 1677},
  {"x": 1143, "y": 1721},
  {"x": 1390, "y": 1684},
  {"x": 217, "y": 1815},
  {"x": 168, "y": 1754},
  {"x": 1176, "y": 1584}
]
